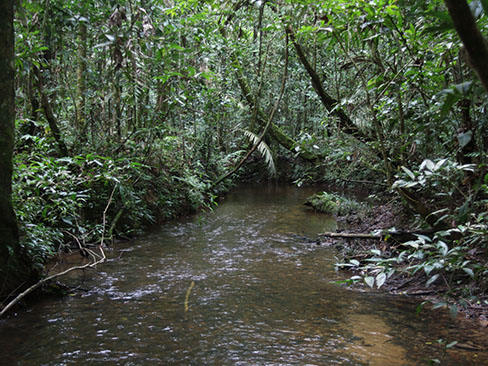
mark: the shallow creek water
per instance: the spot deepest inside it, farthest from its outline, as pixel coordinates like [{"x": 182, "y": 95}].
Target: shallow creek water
[{"x": 236, "y": 286}]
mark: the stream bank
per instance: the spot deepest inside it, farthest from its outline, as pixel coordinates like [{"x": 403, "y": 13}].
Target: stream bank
[
  {"x": 358, "y": 253},
  {"x": 232, "y": 286}
]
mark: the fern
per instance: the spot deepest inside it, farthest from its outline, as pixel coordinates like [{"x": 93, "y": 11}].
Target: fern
[{"x": 265, "y": 151}]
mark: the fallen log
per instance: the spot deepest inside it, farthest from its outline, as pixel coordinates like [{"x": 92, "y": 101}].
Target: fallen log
[
  {"x": 351, "y": 235},
  {"x": 398, "y": 236}
]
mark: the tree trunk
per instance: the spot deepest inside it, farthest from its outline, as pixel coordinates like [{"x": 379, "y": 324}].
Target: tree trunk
[
  {"x": 51, "y": 119},
  {"x": 474, "y": 42},
  {"x": 80, "y": 82},
  {"x": 346, "y": 125},
  {"x": 12, "y": 270}
]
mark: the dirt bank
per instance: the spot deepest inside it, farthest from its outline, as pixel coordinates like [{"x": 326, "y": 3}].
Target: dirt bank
[{"x": 461, "y": 294}]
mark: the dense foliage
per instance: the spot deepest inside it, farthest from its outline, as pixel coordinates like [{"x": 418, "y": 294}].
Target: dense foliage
[{"x": 129, "y": 112}]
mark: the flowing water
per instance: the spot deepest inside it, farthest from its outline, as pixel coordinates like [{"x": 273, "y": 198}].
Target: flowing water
[{"x": 237, "y": 286}]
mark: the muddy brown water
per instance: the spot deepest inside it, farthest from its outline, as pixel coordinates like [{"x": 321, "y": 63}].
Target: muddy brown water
[{"x": 237, "y": 286}]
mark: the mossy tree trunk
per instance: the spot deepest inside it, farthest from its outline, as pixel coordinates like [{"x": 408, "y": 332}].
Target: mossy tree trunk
[{"x": 13, "y": 271}]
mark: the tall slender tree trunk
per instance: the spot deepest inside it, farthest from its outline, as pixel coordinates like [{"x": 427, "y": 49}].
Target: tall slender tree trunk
[
  {"x": 80, "y": 76},
  {"x": 51, "y": 119}
]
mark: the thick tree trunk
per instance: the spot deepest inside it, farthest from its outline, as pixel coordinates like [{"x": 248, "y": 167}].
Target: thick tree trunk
[{"x": 12, "y": 270}]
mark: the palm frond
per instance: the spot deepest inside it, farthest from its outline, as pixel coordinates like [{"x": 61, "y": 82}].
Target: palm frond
[{"x": 265, "y": 151}]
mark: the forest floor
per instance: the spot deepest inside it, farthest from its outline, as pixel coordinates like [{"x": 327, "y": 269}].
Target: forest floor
[{"x": 392, "y": 215}]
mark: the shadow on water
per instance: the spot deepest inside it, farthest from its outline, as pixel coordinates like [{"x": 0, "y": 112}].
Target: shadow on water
[{"x": 242, "y": 285}]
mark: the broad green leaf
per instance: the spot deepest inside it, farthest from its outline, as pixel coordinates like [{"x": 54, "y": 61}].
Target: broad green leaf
[
  {"x": 369, "y": 281},
  {"x": 427, "y": 164},
  {"x": 409, "y": 172},
  {"x": 443, "y": 248},
  {"x": 463, "y": 88},
  {"x": 428, "y": 268},
  {"x": 431, "y": 280},
  {"x": 469, "y": 271},
  {"x": 354, "y": 262},
  {"x": 484, "y": 4},
  {"x": 451, "y": 98},
  {"x": 464, "y": 138},
  {"x": 380, "y": 279}
]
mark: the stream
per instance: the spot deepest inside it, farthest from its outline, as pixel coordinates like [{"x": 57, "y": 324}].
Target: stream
[{"x": 240, "y": 285}]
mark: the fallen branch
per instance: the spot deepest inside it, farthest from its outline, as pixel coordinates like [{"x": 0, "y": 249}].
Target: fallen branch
[
  {"x": 399, "y": 236},
  {"x": 97, "y": 259},
  {"x": 188, "y": 295},
  {"x": 351, "y": 235},
  {"x": 49, "y": 278}
]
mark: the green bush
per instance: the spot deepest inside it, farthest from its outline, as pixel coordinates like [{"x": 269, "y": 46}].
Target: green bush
[{"x": 332, "y": 203}]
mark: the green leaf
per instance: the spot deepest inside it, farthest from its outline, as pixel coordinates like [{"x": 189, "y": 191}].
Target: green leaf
[
  {"x": 453, "y": 311},
  {"x": 464, "y": 138},
  {"x": 444, "y": 17},
  {"x": 469, "y": 271},
  {"x": 476, "y": 8},
  {"x": 420, "y": 307},
  {"x": 431, "y": 280},
  {"x": 380, "y": 279},
  {"x": 463, "y": 88},
  {"x": 484, "y": 4},
  {"x": 265, "y": 151},
  {"x": 443, "y": 248},
  {"x": 354, "y": 262},
  {"x": 452, "y": 344},
  {"x": 409, "y": 172},
  {"x": 451, "y": 98},
  {"x": 439, "y": 305},
  {"x": 369, "y": 281}
]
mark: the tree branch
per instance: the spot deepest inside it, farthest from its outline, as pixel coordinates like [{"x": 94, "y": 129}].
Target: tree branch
[{"x": 474, "y": 42}]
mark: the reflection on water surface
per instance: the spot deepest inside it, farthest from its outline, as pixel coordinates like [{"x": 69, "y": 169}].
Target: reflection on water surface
[{"x": 262, "y": 295}]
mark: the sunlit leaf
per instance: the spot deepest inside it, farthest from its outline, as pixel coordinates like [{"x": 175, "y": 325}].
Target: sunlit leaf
[
  {"x": 369, "y": 281},
  {"x": 408, "y": 171},
  {"x": 452, "y": 344},
  {"x": 469, "y": 271},
  {"x": 265, "y": 151},
  {"x": 443, "y": 248},
  {"x": 380, "y": 279},
  {"x": 431, "y": 280},
  {"x": 439, "y": 305}
]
